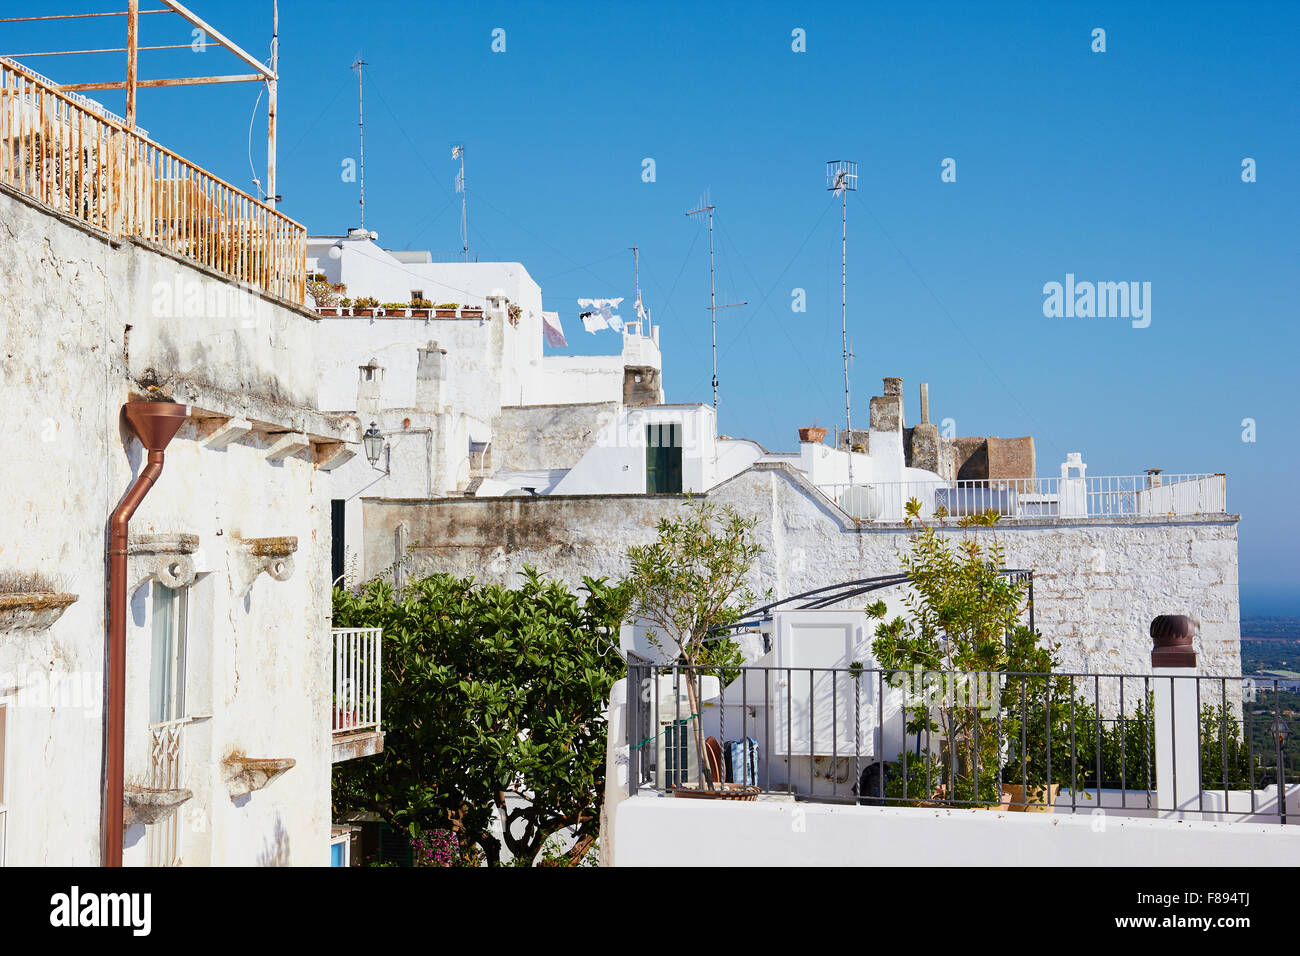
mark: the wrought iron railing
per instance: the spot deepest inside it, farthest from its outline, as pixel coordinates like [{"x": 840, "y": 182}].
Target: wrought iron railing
[
  {"x": 357, "y": 699},
  {"x": 87, "y": 164},
  {"x": 1099, "y": 496},
  {"x": 1128, "y": 744}
]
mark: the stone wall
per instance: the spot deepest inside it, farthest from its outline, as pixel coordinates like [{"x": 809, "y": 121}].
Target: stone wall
[{"x": 1098, "y": 581}]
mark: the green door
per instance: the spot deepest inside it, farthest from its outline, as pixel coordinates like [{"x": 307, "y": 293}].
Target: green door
[{"x": 663, "y": 459}]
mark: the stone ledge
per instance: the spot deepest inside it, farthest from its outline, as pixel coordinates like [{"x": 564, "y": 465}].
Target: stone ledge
[
  {"x": 33, "y": 610},
  {"x": 361, "y": 744}
]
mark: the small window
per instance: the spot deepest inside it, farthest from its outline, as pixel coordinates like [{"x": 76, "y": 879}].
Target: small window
[
  {"x": 167, "y": 665},
  {"x": 417, "y": 296}
]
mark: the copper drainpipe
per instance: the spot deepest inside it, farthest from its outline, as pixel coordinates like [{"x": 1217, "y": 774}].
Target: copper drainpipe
[{"x": 154, "y": 423}]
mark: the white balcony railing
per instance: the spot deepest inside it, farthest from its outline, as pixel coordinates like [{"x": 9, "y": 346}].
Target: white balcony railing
[
  {"x": 356, "y": 700},
  {"x": 1100, "y": 496}
]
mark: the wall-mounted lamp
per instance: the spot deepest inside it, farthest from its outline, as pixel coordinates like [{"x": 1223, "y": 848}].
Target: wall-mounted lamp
[{"x": 374, "y": 444}]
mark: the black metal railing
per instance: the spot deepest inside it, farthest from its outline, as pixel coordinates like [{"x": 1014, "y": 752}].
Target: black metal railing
[{"x": 1072, "y": 742}]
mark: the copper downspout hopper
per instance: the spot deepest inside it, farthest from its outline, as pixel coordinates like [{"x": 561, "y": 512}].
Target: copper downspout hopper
[{"x": 155, "y": 424}]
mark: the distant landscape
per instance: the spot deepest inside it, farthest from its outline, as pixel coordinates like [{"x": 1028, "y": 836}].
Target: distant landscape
[{"x": 1270, "y": 645}]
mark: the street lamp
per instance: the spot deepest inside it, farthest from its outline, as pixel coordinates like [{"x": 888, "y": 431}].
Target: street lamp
[{"x": 373, "y": 442}]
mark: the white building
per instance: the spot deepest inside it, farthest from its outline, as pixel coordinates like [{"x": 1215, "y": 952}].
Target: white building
[{"x": 226, "y": 684}]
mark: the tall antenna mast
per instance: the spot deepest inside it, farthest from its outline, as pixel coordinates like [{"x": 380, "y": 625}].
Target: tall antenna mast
[
  {"x": 458, "y": 152},
  {"x": 841, "y": 178},
  {"x": 636, "y": 267},
  {"x": 361, "y": 129},
  {"x": 713, "y": 306}
]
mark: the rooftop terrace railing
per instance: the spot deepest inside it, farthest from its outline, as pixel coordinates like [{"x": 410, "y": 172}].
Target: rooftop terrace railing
[
  {"x": 1100, "y": 496},
  {"x": 1196, "y": 747},
  {"x": 87, "y": 164}
]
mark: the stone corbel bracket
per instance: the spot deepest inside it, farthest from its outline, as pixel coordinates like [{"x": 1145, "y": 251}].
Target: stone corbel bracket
[
  {"x": 169, "y": 558},
  {"x": 272, "y": 555},
  {"x": 32, "y": 610},
  {"x": 147, "y": 805},
  {"x": 246, "y": 774}
]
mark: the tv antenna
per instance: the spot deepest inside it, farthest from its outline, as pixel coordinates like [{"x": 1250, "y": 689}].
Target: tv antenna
[
  {"x": 458, "y": 152},
  {"x": 707, "y": 207},
  {"x": 641, "y": 311},
  {"x": 842, "y": 178},
  {"x": 361, "y": 132}
]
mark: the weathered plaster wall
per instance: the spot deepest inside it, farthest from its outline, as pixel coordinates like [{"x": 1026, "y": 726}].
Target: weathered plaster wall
[
  {"x": 1098, "y": 582},
  {"x": 528, "y": 437},
  {"x": 66, "y": 296}
]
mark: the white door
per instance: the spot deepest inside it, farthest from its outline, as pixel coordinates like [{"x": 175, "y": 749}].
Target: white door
[{"x": 819, "y": 708}]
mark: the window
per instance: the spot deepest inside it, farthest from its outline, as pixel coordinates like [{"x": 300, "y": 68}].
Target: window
[
  {"x": 167, "y": 664},
  {"x": 663, "y": 459},
  {"x": 417, "y": 296}
]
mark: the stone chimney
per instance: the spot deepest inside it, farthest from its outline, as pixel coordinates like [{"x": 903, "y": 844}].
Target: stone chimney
[
  {"x": 370, "y": 387},
  {"x": 431, "y": 378},
  {"x": 887, "y": 410},
  {"x": 925, "y": 403}
]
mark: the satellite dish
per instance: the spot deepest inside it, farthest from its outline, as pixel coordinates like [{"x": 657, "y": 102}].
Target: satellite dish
[{"x": 860, "y": 501}]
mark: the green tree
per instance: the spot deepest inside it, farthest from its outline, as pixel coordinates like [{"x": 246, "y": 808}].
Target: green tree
[
  {"x": 964, "y": 623},
  {"x": 690, "y": 582},
  {"x": 487, "y": 691}
]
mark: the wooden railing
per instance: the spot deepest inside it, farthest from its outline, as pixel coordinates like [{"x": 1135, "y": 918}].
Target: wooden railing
[{"x": 62, "y": 152}]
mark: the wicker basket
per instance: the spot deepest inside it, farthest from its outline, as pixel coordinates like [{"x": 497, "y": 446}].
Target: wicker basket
[{"x": 723, "y": 791}]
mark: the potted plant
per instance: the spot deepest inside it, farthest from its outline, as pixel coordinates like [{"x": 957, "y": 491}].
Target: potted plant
[
  {"x": 813, "y": 434},
  {"x": 395, "y": 308},
  {"x": 420, "y": 308},
  {"x": 446, "y": 310},
  {"x": 472, "y": 312},
  {"x": 516, "y": 312},
  {"x": 964, "y": 625},
  {"x": 365, "y": 306},
  {"x": 688, "y": 583}
]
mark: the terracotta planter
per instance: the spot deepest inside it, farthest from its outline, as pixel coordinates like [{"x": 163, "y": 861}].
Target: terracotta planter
[
  {"x": 327, "y": 311},
  {"x": 1041, "y": 799},
  {"x": 813, "y": 434},
  {"x": 471, "y": 313},
  {"x": 444, "y": 313},
  {"x": 368, "y": 313},
  {"x": 395, "y": 313},
  {"x": 419, "y": 313}
]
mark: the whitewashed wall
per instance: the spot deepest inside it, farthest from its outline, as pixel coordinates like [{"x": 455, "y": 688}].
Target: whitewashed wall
[
  {"x": 1098, "y": 582},
  {"x": 662, "y": 831},
  {"x": 67, "y": 296}
]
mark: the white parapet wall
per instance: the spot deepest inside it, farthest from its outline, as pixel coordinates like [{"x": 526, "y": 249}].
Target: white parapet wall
[{"x": 663, "y": 831}]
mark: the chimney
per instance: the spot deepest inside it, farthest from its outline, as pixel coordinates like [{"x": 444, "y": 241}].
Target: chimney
[
  {"x": 370, "y": 386},
  {"x": 925, "y": 403},
  {"x": 430, "y": 378}
]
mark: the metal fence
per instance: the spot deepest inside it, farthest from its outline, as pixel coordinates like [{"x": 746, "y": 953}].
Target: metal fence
[
  {"x": 1130, "y": 744},
  {"x": 1099, "y": 496},
  {"x": 87, "y": 164},
  {"x": 357, "y": 698}
]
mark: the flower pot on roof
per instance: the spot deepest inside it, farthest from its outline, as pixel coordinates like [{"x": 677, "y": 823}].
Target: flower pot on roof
[
  {"x": 813, "y": 434},
  {"x": 471, "y": 312},
  {"x": 446, "y": 310},
  {"x": 420, "y": 308},
  {"x": 396, "y": 309},
  {"x": 365, "y": 306}
]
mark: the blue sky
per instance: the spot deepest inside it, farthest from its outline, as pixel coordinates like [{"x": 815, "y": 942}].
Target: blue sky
[{"x": 1115, "y": 166}]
